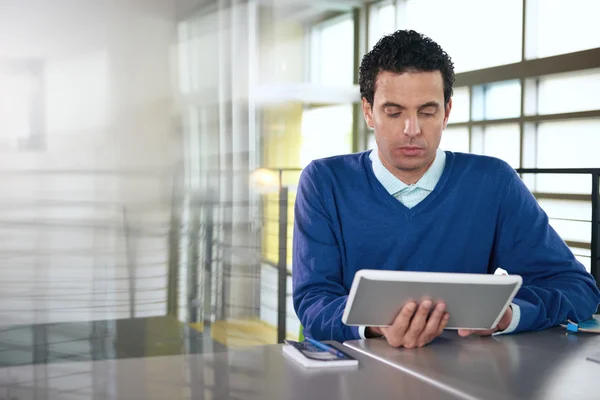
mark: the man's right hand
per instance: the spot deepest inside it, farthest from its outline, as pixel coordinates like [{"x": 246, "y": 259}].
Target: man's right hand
[{"x": 412, "y": 327}]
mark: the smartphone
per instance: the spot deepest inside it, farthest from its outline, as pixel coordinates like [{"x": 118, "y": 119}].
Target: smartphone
[{"x": 314, "y": 353}]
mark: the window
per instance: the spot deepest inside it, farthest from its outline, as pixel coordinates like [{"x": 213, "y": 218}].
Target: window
[
  {"x": 383, "y": 21},
  {"x": 483, "y": 34},
  {"x": 460, "y": 105},
  {"x": 455, "y": 139},
  {"x": 500, "y": 141},
  {"x": 371, "y": 142},
  {"x": 559, "y": 27},
  {"x": 570, "y": 92},
  {"x": 496, "y": 100},
  {"x": 326, "y": 131},
  {"x": 568, "y": 144},
  {"x": 332, "y": 52}
]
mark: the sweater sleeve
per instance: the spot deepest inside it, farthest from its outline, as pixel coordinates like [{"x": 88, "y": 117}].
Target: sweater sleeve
[
  {"x": 555, "y": 285},
  {"x": 318, "y": 292}
]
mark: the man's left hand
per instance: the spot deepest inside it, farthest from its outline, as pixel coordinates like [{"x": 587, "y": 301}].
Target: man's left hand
[{"x": 502, "y": 325}]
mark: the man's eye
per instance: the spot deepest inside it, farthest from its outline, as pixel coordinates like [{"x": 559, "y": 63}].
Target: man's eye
[
  {"x": 427, "y": 114},
  {"x": 394, "y": 115}
]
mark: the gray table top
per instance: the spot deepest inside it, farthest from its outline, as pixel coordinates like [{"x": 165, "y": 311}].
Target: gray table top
[
  {"x": 538, "y": 365},
  {"x": 548, "y": 365},
  {"x": 255, "y": 373}
]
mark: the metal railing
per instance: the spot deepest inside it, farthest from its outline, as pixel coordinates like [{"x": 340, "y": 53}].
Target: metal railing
[
  {"x": 594, "y": 196},
  {"x": 78, "y": 246}
]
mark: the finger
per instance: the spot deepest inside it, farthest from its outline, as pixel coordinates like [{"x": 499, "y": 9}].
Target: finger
[
  {"x": 432, "y": 326},
  {"x": 395, "y": 333},
  {"x": 443, "y": 324},
  {"x": 465, "y": 332},
  {"x": 469, "y": 332},
  {"x": 402, "y": 321},
  {"x": 417, "y": 325}
]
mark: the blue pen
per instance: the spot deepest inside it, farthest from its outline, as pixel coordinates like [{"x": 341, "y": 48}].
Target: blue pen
[{"x": 325, "y": 347}]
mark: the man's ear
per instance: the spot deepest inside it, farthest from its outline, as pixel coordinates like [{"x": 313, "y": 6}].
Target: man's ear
[
  {"x": 447, "y": 110},
  {"x": 368, "y": 113}
]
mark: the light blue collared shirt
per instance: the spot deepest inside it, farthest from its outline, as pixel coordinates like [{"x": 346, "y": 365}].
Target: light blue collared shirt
[{"x": 411, "y": 195}]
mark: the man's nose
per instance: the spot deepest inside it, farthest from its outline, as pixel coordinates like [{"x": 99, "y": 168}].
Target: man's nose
[{"x": 411, "y": 126}]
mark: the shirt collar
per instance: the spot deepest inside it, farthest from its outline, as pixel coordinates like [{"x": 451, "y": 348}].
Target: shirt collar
[{"x": 394, "y": 185}]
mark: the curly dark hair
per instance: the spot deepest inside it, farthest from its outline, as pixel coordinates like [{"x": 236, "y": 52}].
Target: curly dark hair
[{"x": 404, "y": 51}]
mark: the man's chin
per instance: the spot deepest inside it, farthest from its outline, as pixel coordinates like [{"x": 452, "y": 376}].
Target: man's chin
[{"x": 410, "y": 166}]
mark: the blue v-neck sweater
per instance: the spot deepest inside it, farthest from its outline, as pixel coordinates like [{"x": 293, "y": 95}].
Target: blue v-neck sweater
[{"x": 479, "y": 217}]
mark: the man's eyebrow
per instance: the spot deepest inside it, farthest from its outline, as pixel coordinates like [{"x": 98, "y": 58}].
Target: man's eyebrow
[
  {"x": 434, "y": 104},
  {"x": 390, "y": 104},
  {"x": 430, "y": 104}
]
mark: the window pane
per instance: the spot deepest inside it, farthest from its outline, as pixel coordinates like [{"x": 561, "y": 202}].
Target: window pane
[
  {"x": 503, "y": 141},
  {"x": 570, "y": 218},
  {"x": 326, "y": 131},
  {"x": 569, "y": 144},
  {"x": 562, "y": 27},
  {"x": 497, "y": 100},
  {"x": 492, "y": 44},
  {"x": 455, "y": 140},
  {"x": 569, "y": 92},
  {"x": 563, "y": 183},
  {"x": 460, "y": 105},
  {"x": 332, "y": 53},
  {"x": 567, "y": 209},
  {"x": 371, "y": 143},
  {"x": 576, "y": 231},
  {"x": 382, "y": 23},
  {"x": 584, "y": 257}
]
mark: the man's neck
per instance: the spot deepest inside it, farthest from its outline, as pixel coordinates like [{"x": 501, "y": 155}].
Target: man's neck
[{"x": 408, "y": 177}]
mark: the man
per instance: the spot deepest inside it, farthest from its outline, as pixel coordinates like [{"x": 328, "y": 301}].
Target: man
[{"x": 411, "y": 206}]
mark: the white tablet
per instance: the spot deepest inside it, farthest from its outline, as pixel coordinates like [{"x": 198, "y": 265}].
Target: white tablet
[{"x": 474, "y": 301}]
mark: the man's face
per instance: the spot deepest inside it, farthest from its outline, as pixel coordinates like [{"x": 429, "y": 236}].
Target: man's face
[{"x": 408, "y": 116}]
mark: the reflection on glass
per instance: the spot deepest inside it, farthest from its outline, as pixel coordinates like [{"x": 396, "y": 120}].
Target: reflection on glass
[
  {"x": 479, "y": 37},
  {"x": 16, "y": 105}
]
